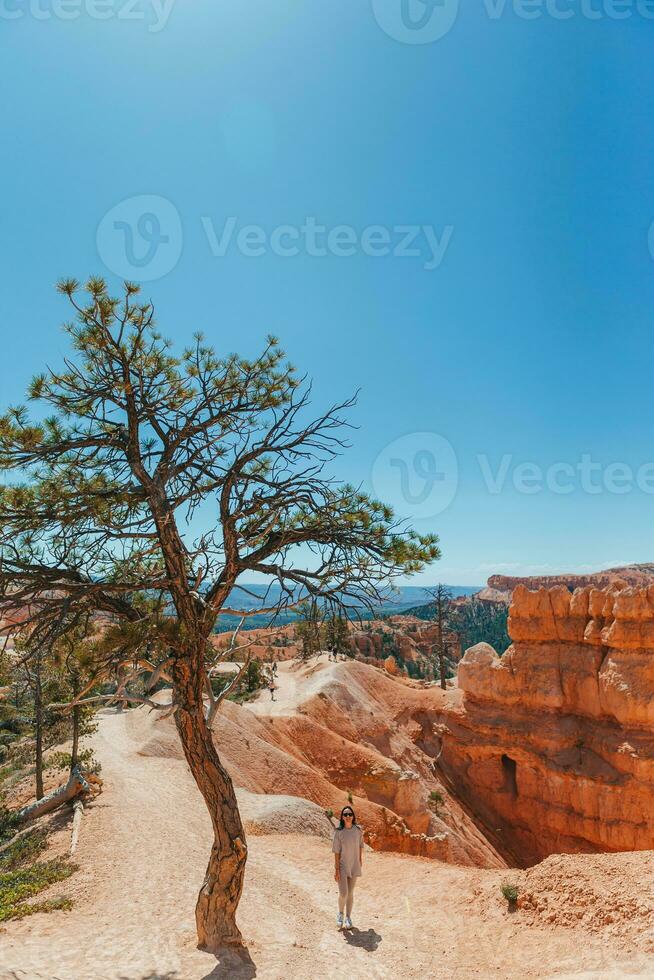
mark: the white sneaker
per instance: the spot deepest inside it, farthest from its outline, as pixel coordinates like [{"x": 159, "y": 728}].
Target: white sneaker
[
  {"x": 348, "y": 922},
  {"x": 339, "y": 920}
]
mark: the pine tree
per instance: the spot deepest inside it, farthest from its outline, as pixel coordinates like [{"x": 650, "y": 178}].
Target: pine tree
[
  {"x": 442, "y": 599},
  {"x": 134, "y": 442},
  {"x": 309, "y": 629},
  {"x": 337, "y": 636}
]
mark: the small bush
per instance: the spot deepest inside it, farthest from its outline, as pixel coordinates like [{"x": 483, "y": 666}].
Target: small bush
[
  {"x": 23, "y": 883},
  {"x": 50, "y": 905},
  {"x": 8, "y": 823},
  {"x": 349, "y": 797},
  {"x": 23, "y": 849},
  {"x": 510, "y": 892},
  {"x": 329, "y": 813},
  {"x": 22, "y": 878},
  {"x": 436, "y": 798},
  {"x": 61, "y": 761}
]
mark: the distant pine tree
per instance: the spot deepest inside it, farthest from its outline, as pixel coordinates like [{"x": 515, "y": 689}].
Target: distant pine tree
[
  {"x": 309, "y": 629},
  {"x": 337, "y": 636}
]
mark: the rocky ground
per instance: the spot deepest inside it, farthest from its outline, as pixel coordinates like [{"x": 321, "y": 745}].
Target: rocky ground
[{"x": 144, "y": 846}]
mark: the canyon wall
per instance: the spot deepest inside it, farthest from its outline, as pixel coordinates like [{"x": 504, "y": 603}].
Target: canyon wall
[
  {"x": 501, "y": 587},
  {"x": 551, "y": 747}
]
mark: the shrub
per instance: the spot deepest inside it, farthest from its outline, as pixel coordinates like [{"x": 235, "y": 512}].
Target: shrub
[
  {"x": 510, "y": 892},
  {"x": 8, "y": 823},
  {"x": 61, "y": 761},
  {"x": 23, "y": 849},
  {"x": 436, "y": 798},
  {"x": 20, "y": 879}
]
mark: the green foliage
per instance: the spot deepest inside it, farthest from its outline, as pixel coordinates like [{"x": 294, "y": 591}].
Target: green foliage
[
  {"x": 389, "y": 647},
  {"x": 329, "y": 813},
  {"x": 436, "y": 799},
  {"x": 220, "y": 681},
  {"x": 254, "y": 676},
  {"x": 309, "y": 629},
  {"x": 122, "y": 408},
  {"x": 477, "y": 621},
  {"x": 8, "y": 823},
  {"x": 45, "y": 672},
  {"x": 22, "y": 878},
  {"x": 510, "y": 892},
  {"x": 19, "y": 885},
  {"x": 62, "y": 761},
  {"x": 25, "y": 848},
  {"x": 337, "y": 636}
]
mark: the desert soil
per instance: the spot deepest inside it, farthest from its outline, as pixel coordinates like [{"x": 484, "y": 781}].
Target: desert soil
[{"x": 142, "y": 854}]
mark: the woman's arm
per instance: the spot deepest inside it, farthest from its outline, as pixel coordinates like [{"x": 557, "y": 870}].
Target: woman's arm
[
  {"x": 361, "y": 847},
  {"x": 336, "y": 848}
]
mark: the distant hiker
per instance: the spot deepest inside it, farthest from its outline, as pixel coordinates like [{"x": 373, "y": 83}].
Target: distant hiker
[
  {"x": 274, "y": 667},
  {"x": 271, "y": 688},
  {"x": 348, "y": 861}
]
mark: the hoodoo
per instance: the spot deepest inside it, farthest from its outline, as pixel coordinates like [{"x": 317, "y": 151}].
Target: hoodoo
[{"x": 552, "y": 745}]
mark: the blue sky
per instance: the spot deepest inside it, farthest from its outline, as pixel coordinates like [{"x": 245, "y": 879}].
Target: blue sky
[{"x": 520, "y": 148}]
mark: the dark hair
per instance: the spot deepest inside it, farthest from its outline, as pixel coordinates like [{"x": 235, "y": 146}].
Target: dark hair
[{"x": 354, "y": 817}]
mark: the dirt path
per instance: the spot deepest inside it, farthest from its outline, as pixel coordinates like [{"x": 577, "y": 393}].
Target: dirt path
[
  {"x": 286, "y": 692},
  {"x": 143, "y": 850}
]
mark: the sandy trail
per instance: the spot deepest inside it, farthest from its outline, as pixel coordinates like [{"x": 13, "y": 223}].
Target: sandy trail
[
  {"x": 143, "y": 851},
  {"x": 287, "y": 692}
]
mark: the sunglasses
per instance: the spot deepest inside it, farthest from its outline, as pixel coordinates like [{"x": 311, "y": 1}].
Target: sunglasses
[{"x": 348, "y": 814}]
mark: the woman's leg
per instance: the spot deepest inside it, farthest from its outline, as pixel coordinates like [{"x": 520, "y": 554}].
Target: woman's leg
[
  {"x": 350, "y": 895},
  {"x": 342, "y": 892}
]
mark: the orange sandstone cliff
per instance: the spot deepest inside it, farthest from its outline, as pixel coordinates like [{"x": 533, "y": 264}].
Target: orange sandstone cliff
[{"x": 552, "y": 746}]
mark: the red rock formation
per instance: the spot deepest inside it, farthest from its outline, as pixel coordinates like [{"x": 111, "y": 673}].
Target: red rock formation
[
  {"x": 501, "y": 587},
  {"x": 552, "y": 746}
]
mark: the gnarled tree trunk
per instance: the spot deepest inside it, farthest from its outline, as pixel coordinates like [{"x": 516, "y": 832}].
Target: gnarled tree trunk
[
  {"x": 76, "y": 784},
  {"x": 215, "y": 912}
]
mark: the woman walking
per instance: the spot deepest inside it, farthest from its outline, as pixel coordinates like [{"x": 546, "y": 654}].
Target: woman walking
[{"x": 348, "y": 861}]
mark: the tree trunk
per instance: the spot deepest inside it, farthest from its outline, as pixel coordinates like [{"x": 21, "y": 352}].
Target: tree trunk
[
  {"x": 215, "y": 912},
  {"x": 74, "y": 752},
  {"x": 38, "y": 718},
  {"x": 441, "y": 656},
  {"x": 78, "y": 810},
  {"x": 76, "y": 784}
]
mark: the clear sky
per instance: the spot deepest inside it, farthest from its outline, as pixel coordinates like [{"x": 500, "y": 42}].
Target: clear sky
[{"x": 515, "y": 153}]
